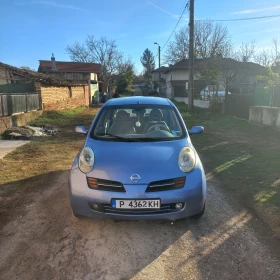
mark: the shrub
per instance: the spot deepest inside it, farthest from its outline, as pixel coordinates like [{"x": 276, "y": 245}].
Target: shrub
[{"x": 216, "y": 105}]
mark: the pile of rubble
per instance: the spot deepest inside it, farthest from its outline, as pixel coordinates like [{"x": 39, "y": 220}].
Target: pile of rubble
[{"x": 28, "y": 132}]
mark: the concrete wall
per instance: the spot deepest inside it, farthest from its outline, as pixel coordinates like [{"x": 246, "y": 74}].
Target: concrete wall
[
  {"x": 181, "y": 75},
  {"x": 169, "y": 90},
  {"x": 155, "y": 76},
  {"x": 196, "y": 103},
  {"x": 57, "y": 98},
  {"x": 269, "y": 116},
  {"x": 177, "y": 75},
  {"x": 18, "y": 120}
]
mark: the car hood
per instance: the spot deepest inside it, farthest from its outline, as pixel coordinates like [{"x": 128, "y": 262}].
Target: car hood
[{"x": 152, "y": 161}]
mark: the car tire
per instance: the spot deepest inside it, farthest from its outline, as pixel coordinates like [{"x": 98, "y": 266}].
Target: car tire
[{"x": 199, "y": 215}]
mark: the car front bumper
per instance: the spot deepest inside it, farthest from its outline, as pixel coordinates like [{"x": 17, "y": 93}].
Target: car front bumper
[{"x": 193, "y": 195}]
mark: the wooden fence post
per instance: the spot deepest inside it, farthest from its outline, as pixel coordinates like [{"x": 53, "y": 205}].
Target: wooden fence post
[
  {"x": 2, "y": 105},
  {"x": 26, "y": 103}
]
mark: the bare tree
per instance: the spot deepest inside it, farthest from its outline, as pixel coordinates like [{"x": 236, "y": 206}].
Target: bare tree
[
  {"x": 263, "y": 58},
  {"x": 275, "y": 52},
  {"x": 126, "y": 65},
  {"x": 211, "y": 39},
  {"x": 103, "y": 51},
  {"x": 179, "y": 48},
  {"x": 270, "y": 57},
  {"x": 211, "y": 73},
  {"x": 246, "y": 52}
]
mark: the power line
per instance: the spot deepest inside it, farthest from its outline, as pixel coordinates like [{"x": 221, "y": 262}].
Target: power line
[
  {"x": 173, "y": 29},
  {"x": 175, "y": 26},
  {"x": 240, "y": 19},
  {"x": 237, "y": 19}
]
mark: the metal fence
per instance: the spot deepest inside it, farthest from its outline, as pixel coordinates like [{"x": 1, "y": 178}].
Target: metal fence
[
  {"x": 18, "y": 103},
  {"x": 15, "y": 88},
  {"x": 267, "y": 98},
  {"x": 238, "y": 105}
]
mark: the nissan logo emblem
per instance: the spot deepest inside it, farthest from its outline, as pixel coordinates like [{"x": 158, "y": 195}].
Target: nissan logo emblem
[{"x": 135, "y": 178}]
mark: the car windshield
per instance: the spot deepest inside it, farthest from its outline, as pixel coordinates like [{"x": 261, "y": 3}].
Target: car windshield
[{"x": 138, "y": 123}]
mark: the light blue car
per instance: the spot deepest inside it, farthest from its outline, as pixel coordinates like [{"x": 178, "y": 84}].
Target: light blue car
[{"x": 138, "y": 163}]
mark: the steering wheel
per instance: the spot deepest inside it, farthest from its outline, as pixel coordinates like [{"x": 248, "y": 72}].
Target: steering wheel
[{"x": 158, "y": 125}]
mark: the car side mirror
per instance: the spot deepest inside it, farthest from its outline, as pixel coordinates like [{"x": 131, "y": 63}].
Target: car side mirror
[
  {"x": 81, "y": 129},
  {"x": 196, "y": 130}
]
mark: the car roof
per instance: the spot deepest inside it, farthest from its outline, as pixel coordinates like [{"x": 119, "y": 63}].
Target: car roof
[{"x": 138, "y": 100}]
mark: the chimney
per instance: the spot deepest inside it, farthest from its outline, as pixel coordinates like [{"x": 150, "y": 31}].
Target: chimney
[{"x": 53, "y": 62}]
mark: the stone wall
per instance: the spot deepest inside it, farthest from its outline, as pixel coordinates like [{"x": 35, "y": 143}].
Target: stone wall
[
  {"x": 269, "y": 116},
  {"x": 18, "y": 120},
  {"x": 57, "y": 98}
]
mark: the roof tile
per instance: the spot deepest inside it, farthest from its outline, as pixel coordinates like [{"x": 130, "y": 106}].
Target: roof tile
[{"x": 64, "y": 66}]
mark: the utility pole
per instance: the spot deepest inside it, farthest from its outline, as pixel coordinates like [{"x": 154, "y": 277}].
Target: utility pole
[
  {"x": 191, "y": 57},
  {"x": 159, "y": 74}
]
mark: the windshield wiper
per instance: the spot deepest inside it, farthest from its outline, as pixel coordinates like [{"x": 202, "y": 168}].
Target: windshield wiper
[
  {"x": 140, "y": 139},
  {"x": 146, "y": 139},
  {"x": 150, "y": 139},
  {"x": 118, "y": 137}
]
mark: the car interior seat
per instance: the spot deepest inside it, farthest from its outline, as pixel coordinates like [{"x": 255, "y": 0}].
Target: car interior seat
[
  {"x": 156, "y": 120},
  {"x": 122, "y": 124}
]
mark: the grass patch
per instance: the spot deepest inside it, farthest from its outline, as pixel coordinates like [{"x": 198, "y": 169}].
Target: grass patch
[
  {"x": 58, "y": 118},
  {"x": 46, "y": 154},
  {"x": 244, "y": 157}
]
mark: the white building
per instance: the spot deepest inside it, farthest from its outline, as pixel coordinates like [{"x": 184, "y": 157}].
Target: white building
[{"x": 240, "y": 76}]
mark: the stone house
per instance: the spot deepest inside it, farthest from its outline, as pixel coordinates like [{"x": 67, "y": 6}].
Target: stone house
[
  {"x": 55, "y": 92},
  {"x": 88, "y": 73}
]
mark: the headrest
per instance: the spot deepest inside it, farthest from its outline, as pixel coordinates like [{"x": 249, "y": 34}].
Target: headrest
[
  {"x": 122, "y": 114},
  {"x": 142, "y": 112},
  {"x": 156, "y": 115}
]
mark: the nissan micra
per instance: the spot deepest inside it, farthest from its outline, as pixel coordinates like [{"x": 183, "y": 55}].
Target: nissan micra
[{"x": 138, "y": 162}]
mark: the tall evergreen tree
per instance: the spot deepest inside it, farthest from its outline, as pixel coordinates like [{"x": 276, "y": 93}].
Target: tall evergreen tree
[{"x": 148, "y": 60}]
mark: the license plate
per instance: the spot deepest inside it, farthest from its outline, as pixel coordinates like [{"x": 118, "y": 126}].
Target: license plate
[{"x": 136, "y": 204}]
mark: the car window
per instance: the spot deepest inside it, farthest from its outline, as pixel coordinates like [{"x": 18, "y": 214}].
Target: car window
[{"x": 138, "y": 123}]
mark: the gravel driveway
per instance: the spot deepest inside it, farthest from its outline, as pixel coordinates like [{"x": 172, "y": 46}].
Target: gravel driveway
[{"x": 41, "y": 239}]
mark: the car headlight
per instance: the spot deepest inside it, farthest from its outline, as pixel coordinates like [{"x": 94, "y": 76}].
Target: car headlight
[
  {"x": 86, "y": 160},
  {"x": 186, "y": 160}
]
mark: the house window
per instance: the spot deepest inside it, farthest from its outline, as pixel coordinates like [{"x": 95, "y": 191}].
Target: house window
[{"x": 70, "y": 92}]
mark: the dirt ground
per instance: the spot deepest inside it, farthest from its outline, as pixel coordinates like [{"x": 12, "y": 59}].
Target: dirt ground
[{"x": 41, "y": 239}]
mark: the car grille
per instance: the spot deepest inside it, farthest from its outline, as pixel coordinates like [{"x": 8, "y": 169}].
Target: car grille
[
  {"x": 165, "y": 208},
  {"x": 166, "y": 185},
  {"x": 105, "y": 185}
]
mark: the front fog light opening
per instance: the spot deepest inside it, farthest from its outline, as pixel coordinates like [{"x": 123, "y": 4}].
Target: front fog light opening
[
  {"x": 95, "y": 206},
  {"x": 98, "y": 207},
  {"x": 179, "y": 206}
]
